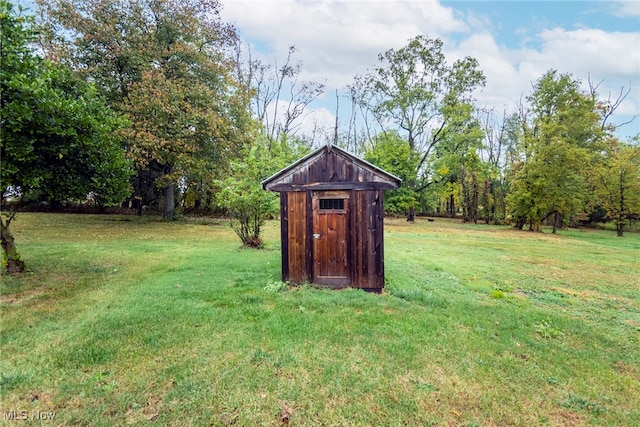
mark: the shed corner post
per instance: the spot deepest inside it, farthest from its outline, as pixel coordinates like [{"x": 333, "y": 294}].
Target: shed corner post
[{"x": 284, "y": 241}]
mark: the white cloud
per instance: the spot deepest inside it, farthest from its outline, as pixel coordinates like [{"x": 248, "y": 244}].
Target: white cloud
[
  {"x": 625, "y": 8},
  {"x": 337, "y": 40},
  {"x": 613, "y": 53},
  {"x": 610, "y": 57}
]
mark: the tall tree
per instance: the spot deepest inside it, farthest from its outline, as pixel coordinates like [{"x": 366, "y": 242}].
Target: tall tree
[
  {"x": 169, "y": 65},
  {"x": 457, "y": 161},
  {"x": 498, "y": 153},
  {"x": 58, "y": 138},
  {"x": 561, "y": 135},
  {"x": 617, "y": 183},
  {"x": 415, "y": 91}
]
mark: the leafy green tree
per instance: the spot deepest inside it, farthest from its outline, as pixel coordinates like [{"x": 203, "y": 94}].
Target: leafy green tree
[
  {"x": 177, "y": 131},
  {"x": 561, "y": 139},
  {"x": 241, "y": 194},
  {"x": 457, "y": 160},
  {"x": 393, "y": 154},
  {"x": 59, "y": 139},
  {"x": 416, "y": 91},
  {"x": 168, "y": 65},
  {"x": 617, "y": 183}
]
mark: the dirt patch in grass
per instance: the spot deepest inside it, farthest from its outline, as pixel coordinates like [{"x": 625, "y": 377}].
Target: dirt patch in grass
[
  {"x": 149, "y": 411},
  {"x": 23, "y": 296},
  {"x": 567, "y": 418},
  {"x": 625, "y": 368}
]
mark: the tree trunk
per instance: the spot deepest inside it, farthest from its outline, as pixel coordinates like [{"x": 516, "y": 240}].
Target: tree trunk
[
  {"x": 465, "y": 195},
  {"x": 534, "y": 225},
  {"x": 452, "y": 206},
  {"x": 55, "y": 205},
  {"x": 555, "y": 223},
  {"x": 411, "y": 215},
  {"x": 136, "y": 203},
  {"x": 620, "y": 222},
  {"x": 486, "y": 201},
  {"x": 474, "y": 197},
  {"x": 169, "y": 202},
  {"x": 14, "y": 264},
  {"x": 520, "y": 224}
]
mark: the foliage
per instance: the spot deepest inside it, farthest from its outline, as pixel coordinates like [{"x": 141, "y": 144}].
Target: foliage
[
  {"x": 393, "y": 154},
  {"x": 275, "y": 286},
  {"x": 247, "y": 205},
  {"x": 546, "y": 329},
  {"x": 617, "y": 183},
  {"x": 58, "y": 138},
  {"x": 560, "y": 141},
  {"x": 500, "y": 138},
  {"x": 458, "y": 164},
  {"x": 167, "y": 65},
  {"x": 241, "y": 194},
  {"x": 177, "y": 131},
  {"x": 415, "y": 90}
]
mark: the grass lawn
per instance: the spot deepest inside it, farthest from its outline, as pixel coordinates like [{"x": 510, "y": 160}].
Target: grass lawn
[{"x": 126, "y": 320}]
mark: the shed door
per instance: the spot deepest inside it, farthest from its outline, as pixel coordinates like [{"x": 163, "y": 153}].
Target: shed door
[{"x": 330, "y": 238}]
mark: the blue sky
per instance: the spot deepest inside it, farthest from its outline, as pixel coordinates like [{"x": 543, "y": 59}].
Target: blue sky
[
  {"x": 517, "y": 22},
  {"x": 515, "y": 42}
]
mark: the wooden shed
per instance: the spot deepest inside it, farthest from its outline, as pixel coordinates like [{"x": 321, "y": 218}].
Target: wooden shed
[{"x": 331, "y": 207}]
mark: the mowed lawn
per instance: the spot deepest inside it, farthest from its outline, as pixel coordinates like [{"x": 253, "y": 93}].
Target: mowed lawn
[{"x": 134, "y": 321}]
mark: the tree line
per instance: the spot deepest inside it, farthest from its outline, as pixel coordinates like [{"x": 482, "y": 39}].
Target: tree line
[{"x": 156, "y": 103}]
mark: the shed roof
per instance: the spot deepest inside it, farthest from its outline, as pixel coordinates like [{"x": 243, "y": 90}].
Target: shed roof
[{"x": 331, "y": 167}]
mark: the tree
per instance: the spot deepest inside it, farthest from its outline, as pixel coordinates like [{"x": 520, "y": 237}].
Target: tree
[
  {"x": 279, "y": 98},
  {"x": 417, "y": 92},
  {"x": 59, "y": 139},
  {"x": 457, "y": 161},
  {"x": 168, "y": 65},
  {"x": 498, "y": 153},
  {"x": 393, "y": 154},
  {"x": 561, "y": 138},
  {"x": 617, "y": 183},
  {"x": 241, "y": 194},
  {"x": 179, "y": 133}
]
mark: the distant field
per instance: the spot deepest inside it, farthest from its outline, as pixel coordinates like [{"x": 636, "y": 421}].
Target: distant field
[{"x": 124, "y": 320}]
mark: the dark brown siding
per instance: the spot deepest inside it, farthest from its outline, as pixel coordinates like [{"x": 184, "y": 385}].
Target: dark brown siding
[
  {"x": 367, "y": 231},
  {"x": 297, "y": 237},
  {"x": 284, "y": 235}
]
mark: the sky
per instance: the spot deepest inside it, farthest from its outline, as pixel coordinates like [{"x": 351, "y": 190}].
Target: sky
[{"x": 515, "y": 42}]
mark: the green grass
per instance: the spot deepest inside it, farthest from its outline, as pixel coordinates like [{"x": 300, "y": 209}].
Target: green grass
[{"x": 123, "y": 320}]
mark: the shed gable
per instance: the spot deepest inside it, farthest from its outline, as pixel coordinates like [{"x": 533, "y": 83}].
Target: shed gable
[{"x": 329, "y": 168}]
